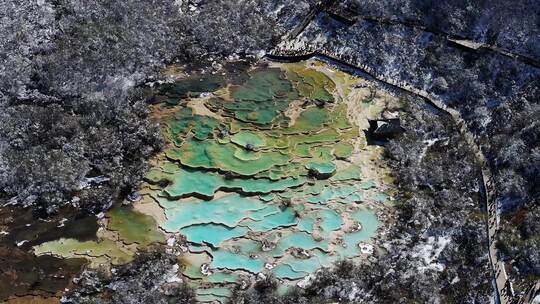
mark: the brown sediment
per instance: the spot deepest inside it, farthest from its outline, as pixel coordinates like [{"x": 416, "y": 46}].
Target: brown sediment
[
  {"x": 160, "y": 113},
  {"x": 294, "y": 110},
  {"x": 150, "y": 207},
  {"x": 37, "y": 277},
  {"x": 30, "y": 299},
  {"x": 199, "y": 108},
  {"x": 173, "y": 72}
]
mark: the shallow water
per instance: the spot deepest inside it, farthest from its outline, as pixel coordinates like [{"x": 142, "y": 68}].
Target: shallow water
[
  {"x": 275, "y": 145},
  {"x": 264, "y": 173}
]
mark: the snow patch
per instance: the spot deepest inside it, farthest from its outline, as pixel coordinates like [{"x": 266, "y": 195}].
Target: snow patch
[
  {"x": 172, "y": 275},
  {"x": 429, "y": 252}
]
